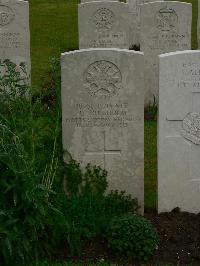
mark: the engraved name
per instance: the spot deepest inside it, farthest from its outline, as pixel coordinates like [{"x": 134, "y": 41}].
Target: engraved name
[
  {"x": 190, "y": 76},
  {"x": 10, "y": 40},
  {"x": 102, "y": 115}
]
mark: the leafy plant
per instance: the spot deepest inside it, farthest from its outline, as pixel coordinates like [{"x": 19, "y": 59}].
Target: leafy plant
[
  {"x": 13, "y": 79},
  {"x": 28, "y": 166},
  {"x": 87, "y": 207},
  {"x": 132, "y": 235}
]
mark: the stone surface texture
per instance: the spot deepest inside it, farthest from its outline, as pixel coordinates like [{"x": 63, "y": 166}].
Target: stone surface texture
[
  {"x": 179, "y": 132},
  {"x": 14, "y": 32},
  {"x": 102, "y": 114},
  {"x": 134, "y": 23},
  {"x": 165, "y": 27},
  {"x": 103, "y": 25}
]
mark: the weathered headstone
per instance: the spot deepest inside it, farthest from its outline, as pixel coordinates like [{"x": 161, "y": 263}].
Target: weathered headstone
[
  {"x": 165, "y": 27},
  {"x": 102, "y": 114},
  {"x": 179, "y": 132},
  {"x": 103, "y": 25},
  {"x": 14, "y": 32},
  {"x": 134, "y": 14}
]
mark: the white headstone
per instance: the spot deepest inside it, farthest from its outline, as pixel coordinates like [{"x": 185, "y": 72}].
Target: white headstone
[
  {"x": 165, "y": 27},
  {"x": 134, "y": 10},
  {"x": 14, "y": 32},
  {"x": 102, "y": 114},
  {"x": 179, "y": 132},
  {"x": 103, "y": 25}
]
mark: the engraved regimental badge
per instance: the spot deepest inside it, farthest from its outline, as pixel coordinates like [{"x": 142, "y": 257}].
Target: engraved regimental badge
[
  {"x": 103, "y": 78},
  {"x": 191, "y": 128},
  {"x": 166, "y": 19},
  {"x": 6, "y": 15},
  {"x": 103, "y": 19}
]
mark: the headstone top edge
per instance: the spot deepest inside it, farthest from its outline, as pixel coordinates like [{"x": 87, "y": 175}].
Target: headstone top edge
[
  {"x": 4, "y": 2},
  {"x": 179, "y": 53},
  {"x": 103, "y": 3},
  {"x": 166, "y": 2},
  {"x": 102, "y": 49}
]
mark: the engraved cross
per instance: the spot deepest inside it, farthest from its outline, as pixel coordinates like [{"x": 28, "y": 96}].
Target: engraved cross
[{"x": 105, "y": 151}]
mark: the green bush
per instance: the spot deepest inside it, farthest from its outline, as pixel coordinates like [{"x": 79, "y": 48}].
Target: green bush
[
  {"x": 29, "y": 163},
  {"x": 133, "y": 236},
  {"x": 86, "y": 207}
]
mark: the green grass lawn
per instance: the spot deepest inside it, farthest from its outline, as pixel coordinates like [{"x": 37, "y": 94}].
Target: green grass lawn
[{"x": 54, "y": 30}]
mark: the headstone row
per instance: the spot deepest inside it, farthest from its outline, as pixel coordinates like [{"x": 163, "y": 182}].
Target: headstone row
[
  {"x": 102, "y": 106},
  {"x": 103, "y": 98},
  {"x": 157, "y": 27},
  {"x": 103, "y": 92}
]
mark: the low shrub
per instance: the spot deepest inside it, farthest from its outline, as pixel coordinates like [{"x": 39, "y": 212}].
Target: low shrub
[
  {"x": 86, "y": 207},
  {"x": 133, "y": 236}
]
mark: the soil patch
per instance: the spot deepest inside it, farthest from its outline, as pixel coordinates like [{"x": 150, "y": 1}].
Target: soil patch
[{"x": 179, "y": 242}]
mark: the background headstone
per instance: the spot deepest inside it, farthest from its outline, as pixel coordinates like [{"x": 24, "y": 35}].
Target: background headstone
[
  {"x": 165, "y": 27},
  {"x": 14, "y": 32},
  {"x": 179, "y": 132},
  {"x": 134, "y": 16},
  {"x": 103, "y": 25},
  {"x": 102, "y": 114}
]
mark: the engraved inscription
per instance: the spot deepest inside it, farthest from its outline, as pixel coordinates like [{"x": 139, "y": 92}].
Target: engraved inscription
[
  {"x": 103, "y": 19},
  {"x": 166, "y": 19},
  {"x": 190, "y": 76},
  {"x": 10, "y": 40},
  {"x": 165, "y": 35},
  {"x": 107, "y": 40},
  {"x": 191, "y": 128},
  {"x": 6, "y": 15},
  {"x": 103, "y": 78},
  {"x": 103, "y": 115}
]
